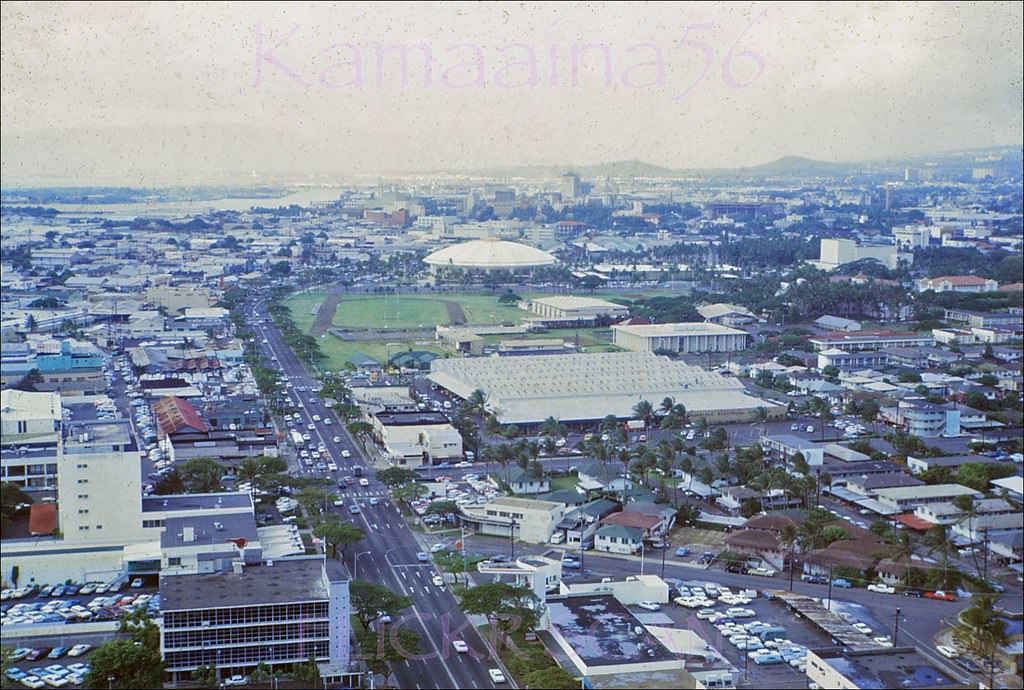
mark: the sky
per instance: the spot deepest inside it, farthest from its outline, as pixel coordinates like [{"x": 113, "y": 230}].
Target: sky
[{"x": 169, "y": 93}]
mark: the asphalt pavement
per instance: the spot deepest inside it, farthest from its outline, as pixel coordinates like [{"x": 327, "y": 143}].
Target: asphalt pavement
[{"x": 387, "y": 555}]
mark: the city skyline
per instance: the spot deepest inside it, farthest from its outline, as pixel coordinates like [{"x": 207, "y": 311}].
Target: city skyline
[{"x": 163, "y": 95}]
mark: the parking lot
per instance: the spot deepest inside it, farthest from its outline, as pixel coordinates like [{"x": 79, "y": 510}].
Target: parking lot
[
  {"x": 73, "y": 603},
  {"x": 784, "y": 633}
]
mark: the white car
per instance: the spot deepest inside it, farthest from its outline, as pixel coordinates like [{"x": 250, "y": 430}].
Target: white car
[
  {"x": 79, "y": 649},
  {"x": 236, "y": 680},
  {"x": 437, "y": 547},
  {"x": 346, "y": 454},
  {"x": 948, "y": 652},
  {"x": 438, "y": 581},
  {"x": 336, "y": 439},
  {"x": 881, "y": 589},
  {"x": 460, "y": 646},
  {"x": 649, "y": 605},
  {"x": 706, "y": 614},
  {"x": 496, "y": 675},
  {"x": 863, "y": 628},
  {"x": 740, "y": 613}
]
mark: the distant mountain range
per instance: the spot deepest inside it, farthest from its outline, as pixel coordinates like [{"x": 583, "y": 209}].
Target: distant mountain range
[{"x": 787, "y": 166}]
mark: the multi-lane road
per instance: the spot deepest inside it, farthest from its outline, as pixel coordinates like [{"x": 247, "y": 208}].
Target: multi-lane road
[{"x": 388, "y": 554}]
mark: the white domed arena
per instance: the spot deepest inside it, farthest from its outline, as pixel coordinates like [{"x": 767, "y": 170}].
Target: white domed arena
[{"x": 486, "y": 256}]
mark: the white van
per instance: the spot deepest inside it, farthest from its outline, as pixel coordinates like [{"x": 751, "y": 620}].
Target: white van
[{"x": 558, "y": 537}]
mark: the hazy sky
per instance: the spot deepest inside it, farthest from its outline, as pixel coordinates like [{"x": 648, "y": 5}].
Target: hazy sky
[{"x": 157, "y": 93}]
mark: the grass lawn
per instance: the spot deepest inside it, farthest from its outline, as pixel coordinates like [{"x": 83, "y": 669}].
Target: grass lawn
[
  {"x": 302, "y": 306},
  {"x": 691, "y": 535},
  {"x": 383, "y": 311},
  {"x": 337, "y": 351},
  {"x": 559, "y": 483},
  {"x": 531, "y": 657}
]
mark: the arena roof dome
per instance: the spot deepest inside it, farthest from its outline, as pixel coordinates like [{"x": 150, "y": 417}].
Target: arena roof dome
[{"x": 490, "y": 254}]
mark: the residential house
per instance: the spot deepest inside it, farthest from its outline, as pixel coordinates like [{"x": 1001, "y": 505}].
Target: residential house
[
  {"x": 652, "y": 525},
  {"x": 614, "y": 538},
  {"x": 523, "y": 481}
]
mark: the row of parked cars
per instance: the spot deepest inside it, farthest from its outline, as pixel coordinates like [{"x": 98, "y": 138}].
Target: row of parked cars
[
  {"x": 74, "y": 611},
  {"x": 54, "y": 675}
]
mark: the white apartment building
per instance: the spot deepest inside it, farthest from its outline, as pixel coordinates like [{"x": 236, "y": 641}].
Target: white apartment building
[
  {"x": 98, "y": 482},
  {"x": 30, "y": 434}
]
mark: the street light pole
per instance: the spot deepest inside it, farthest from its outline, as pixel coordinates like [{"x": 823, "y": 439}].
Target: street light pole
[
  {"x": 512, "y": 537},
  {"x": 355, "y": 563},
  {"x": 641, "y": 558},
  {"x": 896, "y": 630}
]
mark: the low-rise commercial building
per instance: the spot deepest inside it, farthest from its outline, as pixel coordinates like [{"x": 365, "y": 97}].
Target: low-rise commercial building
[
  {"x": 574, "y": 310},
  {"x": 588, "y": 387},
  {"x": 855, "y": 342},
  {"x": 518, "y": 518},
  {"x": 417, "y": 438},
  {"x": 895, "y": 667},
  {"x": 680, "y": 338}
]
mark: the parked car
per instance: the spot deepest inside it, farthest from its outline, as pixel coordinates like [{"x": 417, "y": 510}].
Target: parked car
[
  {"x": 948, "y": 652},
  {"x": 967, "y": 665},
  {"x": 841, "y": 582},
  {"x": 137, "y": 583},
  {"x": 881, "y": 588},
  {"x": 649, "y": 605},
  {"x": 939, "y": 595},
  {"x": 571, "y": 564},
  {"x": 682, "y": 552},
  {"x": 236, "y": 680},
  {"x": 814, "y": 579}
]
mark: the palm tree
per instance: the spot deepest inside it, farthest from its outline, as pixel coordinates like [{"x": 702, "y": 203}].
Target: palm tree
[
  {"x": 666, "y": 405},
  {"x": 937, "y": 539},
  {"x": 644, "y": 410},
  {"x": 789, "y": 537},
  {"x": 551, "y": 427},
  {"x": 901, "y": 551},
  {"x": 476, "y": 403},
  {"x": 982, "y": 630},
  {"x": 968, "y": 513}
]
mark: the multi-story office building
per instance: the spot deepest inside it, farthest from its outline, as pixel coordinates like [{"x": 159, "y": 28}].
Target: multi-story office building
[
  {"x": 98, "y": 481},
  {"x": 922, "y": 418},
  {"x": 278, "y": 613}
]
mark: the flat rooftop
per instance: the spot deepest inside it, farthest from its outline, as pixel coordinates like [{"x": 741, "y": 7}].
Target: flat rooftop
[
  {"x": 602, "y": 632},
  {"x": 890, "y": 669},
  {"x": 411, "y": 418},
  {"x": 209, "y": 530},
  {"x": 286, "y": 581},
  {"x": 670, "y": 329},
  {"x": 227, "y": 499}
]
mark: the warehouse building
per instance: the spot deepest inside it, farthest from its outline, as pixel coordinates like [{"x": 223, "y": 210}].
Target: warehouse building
[
  {"x": 680, "y": 337},
  {"x": 585, "y": 388},
  {"x": 569, "y": 310}
]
